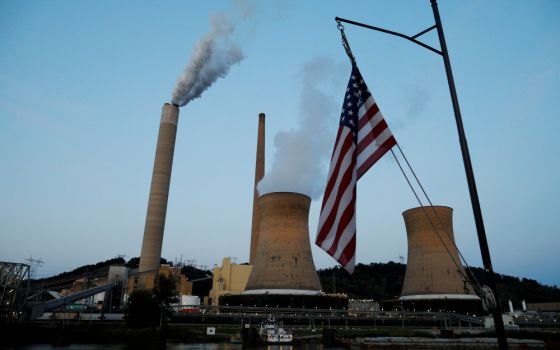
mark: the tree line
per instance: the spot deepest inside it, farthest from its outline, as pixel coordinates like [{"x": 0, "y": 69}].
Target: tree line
[
  {"x": 383, "y": 281},
  {"x": 377, "y": 281}
]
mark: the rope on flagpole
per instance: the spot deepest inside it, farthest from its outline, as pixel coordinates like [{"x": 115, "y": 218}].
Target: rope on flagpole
[
  {"x": 425, "y": 213},
  {"x": 345, "y": 43},
  {"x": 484, "y": 292},
  {"x": 438, "y": 217},
  {"x": 467, "y": 278}
]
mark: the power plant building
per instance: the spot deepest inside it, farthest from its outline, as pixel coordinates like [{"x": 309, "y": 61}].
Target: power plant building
[
  {"x": 229, "y": 279},
  {"x": 184, "y": 286}
]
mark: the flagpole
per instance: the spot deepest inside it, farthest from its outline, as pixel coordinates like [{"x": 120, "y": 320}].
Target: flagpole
[
  {"x": 482, "y": 241},
  {"x": 481, "y": 232}
]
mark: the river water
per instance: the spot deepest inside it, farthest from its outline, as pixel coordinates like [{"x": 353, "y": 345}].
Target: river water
[{"x": 171, "y": 346}]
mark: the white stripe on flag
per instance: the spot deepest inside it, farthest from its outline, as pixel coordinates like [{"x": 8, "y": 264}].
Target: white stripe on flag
[
  {"x": 345, "y": 164},
  {"x": 345, "y": 200},
  {"x": 346, "y": 237},
  {"x": 374, "y": 146}
]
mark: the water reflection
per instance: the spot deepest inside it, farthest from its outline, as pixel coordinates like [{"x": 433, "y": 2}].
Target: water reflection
[{"x": 176, "y": 346}]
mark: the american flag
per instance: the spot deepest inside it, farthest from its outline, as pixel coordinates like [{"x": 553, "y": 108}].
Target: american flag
[{"x": 363, "y": 137}]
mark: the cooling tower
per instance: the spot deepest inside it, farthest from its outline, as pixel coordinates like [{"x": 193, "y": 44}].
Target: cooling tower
[
  {"x": 159, "y": 192},
  {"x": 259, "y": 174},
  {"x": 283, "y": 262},
  {"x": 431, "y": 273}
]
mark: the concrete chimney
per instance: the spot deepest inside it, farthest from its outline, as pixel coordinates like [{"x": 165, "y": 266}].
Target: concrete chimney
[
  {"x": 430, "y": 272},
  {"x": 259, "y": 174},
  {"x": 283, "y": 262},
  {"x": 159, "y": 192}
]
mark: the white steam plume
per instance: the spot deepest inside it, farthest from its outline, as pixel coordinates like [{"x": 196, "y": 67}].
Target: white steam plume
[
  {"x": 301, "y": 155},
  {"x": 212, "y": 57}
]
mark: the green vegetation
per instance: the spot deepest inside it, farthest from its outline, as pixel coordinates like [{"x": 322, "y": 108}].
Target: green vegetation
[
  {"x": 193, "y": 273},
  {"x": 374, "y": 281},
  {"x": 99, "y": 269},
  {"x": 142, "y": 310},
  {"x": 384, "y": 281},
  {"x": 378, "y": 281},
  {"x": 518, "y": 289},
  {"x": 133, "y": 263},
  {"x": 150, "y": 308}
]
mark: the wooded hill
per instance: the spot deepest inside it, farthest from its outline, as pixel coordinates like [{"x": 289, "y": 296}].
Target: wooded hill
[
  {"x": 377, "y": 281},
  {"x": 383, "y": 281}
]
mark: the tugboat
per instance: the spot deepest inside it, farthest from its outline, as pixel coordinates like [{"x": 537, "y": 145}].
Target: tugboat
[{"x": 272, "y": 332}]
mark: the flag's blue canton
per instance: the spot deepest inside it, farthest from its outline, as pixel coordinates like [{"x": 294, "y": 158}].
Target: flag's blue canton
[{"x": 356, "y": 94}]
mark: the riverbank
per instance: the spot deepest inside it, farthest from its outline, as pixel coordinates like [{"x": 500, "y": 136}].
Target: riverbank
[{"x": 65, "y": 333}]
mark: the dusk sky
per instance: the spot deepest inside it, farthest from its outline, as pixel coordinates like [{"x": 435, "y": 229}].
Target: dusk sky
[{"x": 82, "y": 84}]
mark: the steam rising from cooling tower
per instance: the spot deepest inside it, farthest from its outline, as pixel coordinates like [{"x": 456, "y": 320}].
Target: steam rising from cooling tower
[
  {"x": 212, "y": 56},
  {"x": 302, "y": 154}
]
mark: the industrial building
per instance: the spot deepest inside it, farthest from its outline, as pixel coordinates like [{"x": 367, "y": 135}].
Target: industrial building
[{"x": 229, "y": 279}]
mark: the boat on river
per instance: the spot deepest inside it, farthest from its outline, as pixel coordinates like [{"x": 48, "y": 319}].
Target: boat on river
[{"x": 273, "y": 332}]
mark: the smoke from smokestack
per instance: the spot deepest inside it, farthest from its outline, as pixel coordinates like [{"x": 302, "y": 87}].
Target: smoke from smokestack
[
  {"x": 213, "y": 55},
  {"x": 302, "y": 154}
]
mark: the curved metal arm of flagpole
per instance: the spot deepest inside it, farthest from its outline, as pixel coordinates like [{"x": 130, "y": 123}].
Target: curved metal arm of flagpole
[
  {"x": 410, "y": 38},
  {"x": 497, "y": 312}
]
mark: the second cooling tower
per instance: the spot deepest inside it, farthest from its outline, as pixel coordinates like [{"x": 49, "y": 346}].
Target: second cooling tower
[
  {"x": 283, "y": 262},
  {"x": 435, "y": 278}
]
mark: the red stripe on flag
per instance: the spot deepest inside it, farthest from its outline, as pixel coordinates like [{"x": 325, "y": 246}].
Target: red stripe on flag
[
  {"x": 349, "y": 251},
  {"x": 345, "y": 219},
  {"x": 338, "y": 134},
  {"x": 370, "y": 113},
  {"x": 384, "y": 148},
  {"x": 347, "y": 143},
  {"x": 372, "y": 135},
  {"x": 344, "y": 183}
]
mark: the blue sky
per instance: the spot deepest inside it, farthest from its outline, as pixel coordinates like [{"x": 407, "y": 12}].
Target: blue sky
[{"x": 82, "y": 85}]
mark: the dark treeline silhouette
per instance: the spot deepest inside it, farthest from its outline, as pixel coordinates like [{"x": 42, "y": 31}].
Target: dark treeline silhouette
[
  {"x": 517, "y": 289},
  {"x": 133, "y": 263},
  {"x": 194, "y": 273},
  {"x": 378, "y": 281},
  {"x": 383, "y": 281},
  {"x": 201, "y": 287},
  {"x": 99, "y": 269},
  {"x": 374, "y": 281}
]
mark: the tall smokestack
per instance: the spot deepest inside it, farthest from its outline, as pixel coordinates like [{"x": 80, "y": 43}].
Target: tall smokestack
[
  {"x": 259, "y": 174},
  {"x": 159, "y": 192}
]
